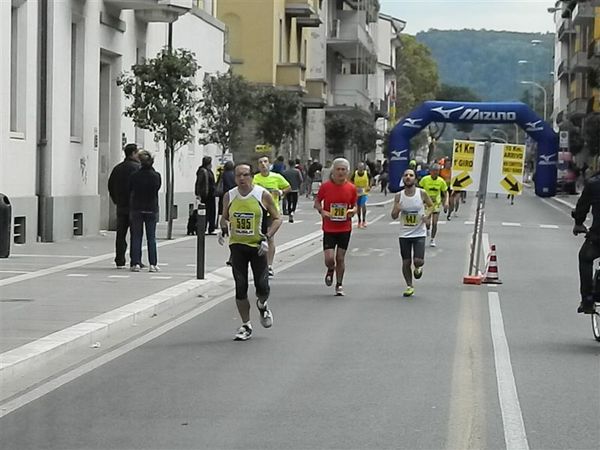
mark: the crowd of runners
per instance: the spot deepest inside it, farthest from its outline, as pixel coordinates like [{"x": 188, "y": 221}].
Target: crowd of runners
[{"x": 252, "y": 216}]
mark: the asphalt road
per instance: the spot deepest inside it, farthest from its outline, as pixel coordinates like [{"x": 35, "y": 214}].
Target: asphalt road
[{"x": 454, "y": 367}]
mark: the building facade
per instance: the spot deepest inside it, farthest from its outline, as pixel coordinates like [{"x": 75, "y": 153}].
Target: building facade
[{"x": 65, "y": 129}]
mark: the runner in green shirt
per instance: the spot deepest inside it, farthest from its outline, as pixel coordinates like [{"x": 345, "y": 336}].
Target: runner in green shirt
[
  {"x": 277, "y": 187},
  {"x": 436, "y": 188}
]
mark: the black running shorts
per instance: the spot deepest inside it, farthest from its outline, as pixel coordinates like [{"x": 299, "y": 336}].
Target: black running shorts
[
  {"x": 340, "y": 240},
  {"x": 412, "y": 248}
]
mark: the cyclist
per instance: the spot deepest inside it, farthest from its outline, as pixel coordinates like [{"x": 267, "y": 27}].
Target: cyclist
[{"x": 590, "y": 250}]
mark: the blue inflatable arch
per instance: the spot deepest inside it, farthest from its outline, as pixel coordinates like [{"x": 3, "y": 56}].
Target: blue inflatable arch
[{"x": 486, "y": 113}]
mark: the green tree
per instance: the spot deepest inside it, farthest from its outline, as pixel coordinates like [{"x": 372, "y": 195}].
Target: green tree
[
  {"x": 576, "y": 140},
  {"x": 338, "y": 128},
  {"x": 363, "y": 135},
  {"x": 277, "y": 115},
  {"x": 416, "y": 74},
  {"x": 163, "y": 100},
  {"x": 226, "y": 104}
]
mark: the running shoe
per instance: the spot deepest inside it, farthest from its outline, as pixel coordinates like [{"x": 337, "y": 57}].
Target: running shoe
[
  {"x": 243, "y": 333},
  {"x": 365, "y": 224},
  {"x": 418, "y": 272},
  {"x": 409, "y": 291},
  {"x": 154, "y": 269},
  {"x": 329, "y": 277},
  {"x": 135, "y": 268},
  {"x": 271, "y": 273},
  {"x": 266, "y": 316},
  {"x": 432, "y": 243},
  {"x": 339, "y": 290}
]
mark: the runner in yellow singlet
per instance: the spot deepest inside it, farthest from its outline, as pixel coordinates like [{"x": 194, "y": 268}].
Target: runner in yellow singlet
[
  {"x": 361, "y": 179},
  {"x": 277, "y": 187},
  {"x": 436, "y": 188}
]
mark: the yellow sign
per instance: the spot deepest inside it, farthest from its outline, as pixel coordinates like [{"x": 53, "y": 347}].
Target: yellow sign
[
  {"x": 511, "y": 185},
  {"x": 463, "y": 155},
  {"x": 461, "y": 181},
  {"x": 513, "y": 160},
  {"x": 263, "y": 148}
]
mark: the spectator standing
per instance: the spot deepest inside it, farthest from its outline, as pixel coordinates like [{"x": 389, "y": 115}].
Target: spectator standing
[
  {"x": 118, "y": 188},
  {"x": 313, "y": 168},
  {"x": 290, "y": 201},
  {"x": 278, "y": 165},
  {"x": 205, "y": 192},
  {"x": 227, "y": 182},
  {"x": 143, "y": 187}
]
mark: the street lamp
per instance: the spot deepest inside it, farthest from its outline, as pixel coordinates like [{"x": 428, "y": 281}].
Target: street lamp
[{"x": 533, "y": 83}]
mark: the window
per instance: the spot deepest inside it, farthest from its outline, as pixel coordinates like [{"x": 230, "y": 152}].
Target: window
[
  {"x": 77, "y": 47},
  {"x": 18, "y": 65}
]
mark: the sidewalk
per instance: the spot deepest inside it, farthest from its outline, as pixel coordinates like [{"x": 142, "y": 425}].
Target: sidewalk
[{"x": 55, "y": 297}]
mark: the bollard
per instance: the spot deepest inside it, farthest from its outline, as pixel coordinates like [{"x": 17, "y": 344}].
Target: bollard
[
  {"x": 5, "y": 224},
  {"x": 200, "y": 230}
]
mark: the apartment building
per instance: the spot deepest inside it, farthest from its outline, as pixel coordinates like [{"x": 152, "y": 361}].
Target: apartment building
[
  {"x": 267, "y": 41},
  {"x": 64, "y": 129},
  {"x": 577, "y": 61}
]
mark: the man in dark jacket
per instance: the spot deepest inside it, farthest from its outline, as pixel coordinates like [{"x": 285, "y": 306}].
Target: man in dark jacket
[
  {"x": 205, "y": 192},
  {"x": 118, "y": 188},
  {"x": 290, "y": 201}
]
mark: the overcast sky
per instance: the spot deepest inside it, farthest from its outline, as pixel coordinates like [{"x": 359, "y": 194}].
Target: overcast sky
[{"x": 511, "y": 15}]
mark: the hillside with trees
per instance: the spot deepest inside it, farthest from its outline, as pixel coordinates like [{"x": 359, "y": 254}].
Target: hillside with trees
[{"x": 487, "y": 62}]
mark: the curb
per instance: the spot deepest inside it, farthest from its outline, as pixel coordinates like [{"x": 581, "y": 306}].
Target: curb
[{"x": 17, "y": 362}]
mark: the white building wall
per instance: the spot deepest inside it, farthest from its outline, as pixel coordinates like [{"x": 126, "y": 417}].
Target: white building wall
[{"x": 77, "y": 166}]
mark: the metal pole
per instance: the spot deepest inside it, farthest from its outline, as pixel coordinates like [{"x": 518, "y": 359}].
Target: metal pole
[
  {"x": 200, "y": 248},
  {"x": 480, "y": 213}
]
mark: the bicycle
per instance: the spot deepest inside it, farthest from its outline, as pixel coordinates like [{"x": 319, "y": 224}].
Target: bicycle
[{"x": 595, "y": 316}]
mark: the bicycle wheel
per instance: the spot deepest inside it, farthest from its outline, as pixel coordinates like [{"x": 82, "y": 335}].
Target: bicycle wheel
[{"x": 596, "y": 323}]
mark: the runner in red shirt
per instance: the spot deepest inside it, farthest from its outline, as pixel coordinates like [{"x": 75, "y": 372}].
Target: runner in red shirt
[{"x": 336, "y": 202}]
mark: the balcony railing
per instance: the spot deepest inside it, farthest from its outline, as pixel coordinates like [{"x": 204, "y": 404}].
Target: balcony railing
[
  {"x": 579, "y": 62},
  {"x": 305, "y": 12},
  {"x": 291, "y": 76},
  {"x": 316, "y": 96},
  {"x": 154, "y": 10},
  {"x": 563, "y": 70},
  {"x": 583, "y": 12},
  {"x": 345, "y": 35},
  {"x": 351, "y": 90},
  {"x": 578, "y": 107},
  {"x": 565, "y": 30}
]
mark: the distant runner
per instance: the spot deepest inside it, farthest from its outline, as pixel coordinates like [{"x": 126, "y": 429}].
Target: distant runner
[
  {"x": 437, "y": 190},
  {"x": 362, "y": 181}
]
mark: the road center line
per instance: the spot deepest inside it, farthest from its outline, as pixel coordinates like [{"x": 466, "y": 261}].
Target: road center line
[{"x": 512, "y": 418}]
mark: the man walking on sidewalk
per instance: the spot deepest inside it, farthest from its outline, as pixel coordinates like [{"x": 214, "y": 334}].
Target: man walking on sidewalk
[
  {"x": 118, "y": 189},
  {"x": 244, "y": 211}
]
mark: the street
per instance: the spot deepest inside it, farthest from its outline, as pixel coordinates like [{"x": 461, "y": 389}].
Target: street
[{"x": 454, "y": 367}]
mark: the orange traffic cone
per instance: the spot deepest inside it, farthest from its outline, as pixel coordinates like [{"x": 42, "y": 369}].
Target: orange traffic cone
[{"x": 491, "y": 270}]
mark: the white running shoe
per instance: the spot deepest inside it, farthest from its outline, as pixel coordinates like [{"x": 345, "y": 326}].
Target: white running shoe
[
  {"x": 266, "y": 316},
  {"x": 243, "y": 333},
  {"x": 154, "y": 269},
  {"x": 432, "y": 243}
]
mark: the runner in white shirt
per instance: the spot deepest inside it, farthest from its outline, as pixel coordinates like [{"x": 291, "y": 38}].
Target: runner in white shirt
[{"x": 409, "y": 205}]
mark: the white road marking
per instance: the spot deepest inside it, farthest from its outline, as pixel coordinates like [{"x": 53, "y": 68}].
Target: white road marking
[
  {"x": 442, "y": 222},
  {"x": 190, "y": 265},
  {"x": 551, "y": 227},
  {"x": 79, "y": 371},
  {"x": 119, "y": 276},
  {"x": 510, "y": 224},
  {"x": 29, "y": 255},
  {"x": 14, "y": 271},
  {"x": 469, "y": 222},
  {"x": 556, "y": 207},
  {"x": 80, "y": 263},
  {"x": 564, "y": 202},
  {"x": 512, "y": 418},
  {"x": 77, "y": 275},
  {"x": 160, "y": 277},
  {"x": 318, "y": 223}
]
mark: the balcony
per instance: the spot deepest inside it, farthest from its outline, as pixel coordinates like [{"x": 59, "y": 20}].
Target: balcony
[
  {"x": 350, "y": 91},
  {"x": 349, "y": 31},
  {"x": 166, "y": 11},
  {"x": 305, "y": 12},
  {"x": 579, "y": 62},
  {"x": 370, "y": 6},
  {"x": 582, "y": 13},
  {"x": 578, "y": 107},
  {"x": 316, "y": 96},
  {"x": 594, "y": 51},
  {"x": 563, "y": 70},
  {"x": 291, "y": 76},
  {"x": 560, "y": 117},
  {"x": 565, "y": 30}
]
